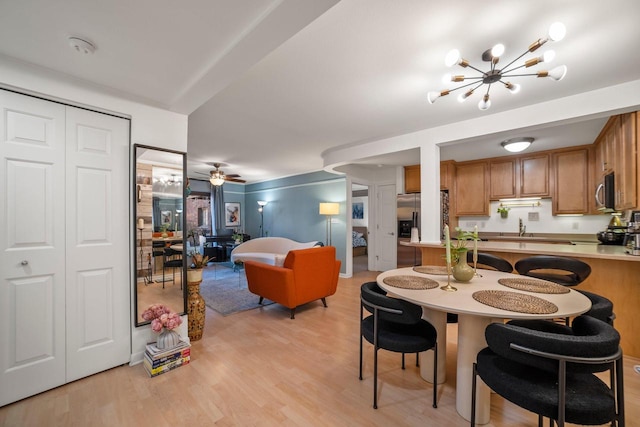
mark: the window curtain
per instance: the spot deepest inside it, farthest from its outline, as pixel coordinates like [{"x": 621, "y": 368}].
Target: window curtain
[{"x": 217, "y": 210}]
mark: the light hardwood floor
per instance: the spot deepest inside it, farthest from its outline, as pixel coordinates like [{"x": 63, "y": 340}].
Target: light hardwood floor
[{"x": 259, "y": 368}]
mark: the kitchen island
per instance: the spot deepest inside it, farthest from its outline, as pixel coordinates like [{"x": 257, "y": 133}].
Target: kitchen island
[{"x": 614, "y": 274}]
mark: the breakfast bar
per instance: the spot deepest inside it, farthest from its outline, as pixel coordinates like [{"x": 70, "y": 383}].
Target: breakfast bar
[{"x": 615, "y": 274}]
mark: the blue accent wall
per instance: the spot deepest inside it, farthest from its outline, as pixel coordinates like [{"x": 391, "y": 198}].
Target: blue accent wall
[{"x": 293, "y": 208}]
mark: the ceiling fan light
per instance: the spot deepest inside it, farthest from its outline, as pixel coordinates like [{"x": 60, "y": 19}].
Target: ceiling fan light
[
  {"x": 516, "y": 145},
  {"x": 558, "y": 73},
  {"x": 216, "y": 180},
  {"x": 485, "y": 103},
  {"x": 557, "y": 31},
  {"x": 497, "y": 50}
]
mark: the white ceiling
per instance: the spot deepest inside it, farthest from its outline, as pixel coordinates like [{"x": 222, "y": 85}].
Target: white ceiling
[{"x": 271, "y": 84}]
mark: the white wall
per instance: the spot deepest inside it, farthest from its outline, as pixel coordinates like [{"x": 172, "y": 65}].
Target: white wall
[
  {"x": 149, "y": 125},
  {"x": 586, "y": 224}
]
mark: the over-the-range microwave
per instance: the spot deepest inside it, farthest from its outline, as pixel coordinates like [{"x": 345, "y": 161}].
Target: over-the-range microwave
[{"x": 606, "y": 193}]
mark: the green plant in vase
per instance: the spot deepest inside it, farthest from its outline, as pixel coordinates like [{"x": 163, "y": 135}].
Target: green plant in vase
[
  {"x": 461, "y": 270},
  {"x": 503, "y": 211}
]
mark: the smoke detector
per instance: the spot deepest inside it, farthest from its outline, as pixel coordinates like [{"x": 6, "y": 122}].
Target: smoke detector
[{"x": 81, "y": 45}]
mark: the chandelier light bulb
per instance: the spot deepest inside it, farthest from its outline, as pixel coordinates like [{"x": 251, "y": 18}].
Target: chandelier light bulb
[
  {"x": 558, "y": 73},
  {"x": 497, "y": 50},
  {"x": 432, "y": 96},
  {"x": 463, "y": 96},
  {"x": 446, "y": 78},
  {"x": 513, "y": 87},
  {"x": 452, "y": 58},
  {"x": 549, "y": 56},
  {"x": 557, "y": 31},
  {"x": 485, "y": 103}
]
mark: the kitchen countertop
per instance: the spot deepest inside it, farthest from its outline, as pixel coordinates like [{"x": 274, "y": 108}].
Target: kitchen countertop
[{"x": 612, "y": 252}]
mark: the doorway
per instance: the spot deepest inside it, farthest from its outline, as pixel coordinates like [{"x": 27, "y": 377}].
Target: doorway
[{"x": 360, "y": 227}]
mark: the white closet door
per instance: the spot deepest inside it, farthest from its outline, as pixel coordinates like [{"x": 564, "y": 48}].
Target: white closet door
[
  {"x": 32, "y": 246},
  {"x": 98, "y": 259}
]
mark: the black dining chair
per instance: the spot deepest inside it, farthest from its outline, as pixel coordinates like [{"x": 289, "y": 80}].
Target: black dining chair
[
  {"x": 567, "y": 272},
  {"x": 488, "y": 262},
  {"x": 551, "y": 371},
  {"x": 562, "y": 270},
  {"x": 171, "y": 259},
  {"x": 394, "y": 325}
]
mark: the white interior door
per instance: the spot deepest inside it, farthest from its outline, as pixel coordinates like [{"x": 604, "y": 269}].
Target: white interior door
[
  {"x": 32, "y": 246},
  {"x": 387, "y": 240},
  {"x": 98, "y": 294}
]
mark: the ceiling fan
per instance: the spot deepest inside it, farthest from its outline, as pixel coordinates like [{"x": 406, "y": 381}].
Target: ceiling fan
[{"x": 218, "y": 177}]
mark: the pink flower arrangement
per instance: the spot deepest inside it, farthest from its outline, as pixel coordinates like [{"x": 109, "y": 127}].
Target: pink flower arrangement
[{"x": 161, "y": 317}]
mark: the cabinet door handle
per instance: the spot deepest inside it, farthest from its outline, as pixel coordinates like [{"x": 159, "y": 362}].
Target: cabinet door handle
[{"x": 24, "y": 262}]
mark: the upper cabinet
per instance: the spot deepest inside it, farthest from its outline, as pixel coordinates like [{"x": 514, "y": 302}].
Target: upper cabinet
[
  {"x": 616, "y": 151},
  {"x": 447, "y": 171},
  {"x": 571, "y": 182},
  {"x": 519, "y": 176},
  {"x": 412, "y": 179},
  {"x": 472, "y": 188}
]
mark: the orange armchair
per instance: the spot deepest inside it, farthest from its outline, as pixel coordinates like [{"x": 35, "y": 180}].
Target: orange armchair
[{"x": 307, "y": 275}]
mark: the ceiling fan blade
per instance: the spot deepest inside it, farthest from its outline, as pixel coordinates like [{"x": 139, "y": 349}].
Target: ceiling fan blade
[
  {"x": 234, "y": 179},
  {"x": 233, "y": 175},
  {"x": 202, "y": 173}
]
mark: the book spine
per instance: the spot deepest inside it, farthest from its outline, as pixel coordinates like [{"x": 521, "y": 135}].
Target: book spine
[
  {"x": 167, "y": 367},
  {"x": 157, "y": 362}
]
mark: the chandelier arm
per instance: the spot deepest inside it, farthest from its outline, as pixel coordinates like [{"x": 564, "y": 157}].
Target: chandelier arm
[
  {"x": 519, "y": 75},
  {"x": 474, "y": 68},
  {"x": 513, "y": 69},
  {"x": 488, "y": 88},
  {"x": 467, "y": 85},
  {"x": 510, "y": 63}
]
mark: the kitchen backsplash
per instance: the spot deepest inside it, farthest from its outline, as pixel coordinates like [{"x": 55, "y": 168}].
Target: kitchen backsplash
[{"x": 546, "y": 223}]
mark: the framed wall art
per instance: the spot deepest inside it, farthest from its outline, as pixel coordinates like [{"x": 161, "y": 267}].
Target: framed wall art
[{"x": 232, "y": 214}]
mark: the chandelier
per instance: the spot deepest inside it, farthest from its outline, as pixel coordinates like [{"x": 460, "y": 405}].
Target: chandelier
[
  {"x": 498, "y": 75},
  {"x": 217, "y": 178}
]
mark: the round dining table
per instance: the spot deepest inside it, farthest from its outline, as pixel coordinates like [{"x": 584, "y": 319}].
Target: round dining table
[{"x": 477, "y": 303}]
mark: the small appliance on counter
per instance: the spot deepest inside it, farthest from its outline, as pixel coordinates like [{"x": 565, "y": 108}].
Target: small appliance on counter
[
  {"x": 616, "y": 233},
  {"x": 632, "y": 239}
]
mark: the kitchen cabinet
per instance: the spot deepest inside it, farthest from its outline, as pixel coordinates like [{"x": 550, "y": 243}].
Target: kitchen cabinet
[
  {"x": 446, "y": 174},
  {"x": 472, "y": 189},
  {"x": 412, "y": 179},
  {"x": 570, "y": 182},
  {"x": 626, "y": 163},
  {"x": 519, "y": 176}
]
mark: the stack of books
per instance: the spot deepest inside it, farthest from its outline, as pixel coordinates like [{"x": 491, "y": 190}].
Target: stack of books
[{"x": 158, "y": 361}]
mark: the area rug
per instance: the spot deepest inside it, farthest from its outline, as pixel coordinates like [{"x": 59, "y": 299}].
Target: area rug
[{"x": 225, "y": 290}]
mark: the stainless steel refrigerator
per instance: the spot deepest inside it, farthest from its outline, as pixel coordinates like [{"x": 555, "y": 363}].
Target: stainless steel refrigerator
[{"x": 408, "y": 213}]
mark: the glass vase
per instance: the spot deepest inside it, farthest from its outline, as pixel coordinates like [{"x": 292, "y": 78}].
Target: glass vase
[{"x": 462, "y": 271}]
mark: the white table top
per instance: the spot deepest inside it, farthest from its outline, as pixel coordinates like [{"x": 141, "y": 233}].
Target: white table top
[
  {"x": 462, "y": 302},
  {"x": 177, "y": 247}
]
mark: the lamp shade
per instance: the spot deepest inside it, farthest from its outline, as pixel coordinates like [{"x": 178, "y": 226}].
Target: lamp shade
[
  {"x": 515, "y": 145},
  {"x": 329, "y": 208}
]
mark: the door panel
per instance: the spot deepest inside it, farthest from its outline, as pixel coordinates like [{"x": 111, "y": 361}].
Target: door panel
[
  {"x": 32, "y": 246},
  {"x": 98, "y": 296},
  {"x": 386, "y": 250}
]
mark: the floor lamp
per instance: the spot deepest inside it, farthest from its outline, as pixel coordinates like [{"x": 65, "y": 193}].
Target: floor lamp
[
  {"x": 329, "y": 209},
  {"x": 261, "y": 205}
]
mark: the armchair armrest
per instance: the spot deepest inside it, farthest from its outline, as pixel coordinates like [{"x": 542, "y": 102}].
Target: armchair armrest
[{"x": 271, "y": 282}]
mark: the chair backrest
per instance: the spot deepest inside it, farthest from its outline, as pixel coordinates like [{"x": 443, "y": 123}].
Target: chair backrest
[
  {"x": 575, "y": 271},
  {"x": 589, "y": 337},
  {"x": 168, "y": 252},
  {"x": 314, "y": 269},
  {"x": 389, "y": 309},
  {"x": 490, "y": 260}
]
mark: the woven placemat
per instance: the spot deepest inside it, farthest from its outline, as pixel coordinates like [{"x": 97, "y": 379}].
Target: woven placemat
[
  {"x": 514, "y": 301},
  {"x": 440, "y": 270},
  {"x": 533, "y": 285},
  {"x": 410, "y": 282}
]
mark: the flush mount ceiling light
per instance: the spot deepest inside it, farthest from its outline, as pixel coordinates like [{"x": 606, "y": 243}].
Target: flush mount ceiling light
[
  {"x": 81, "y": 45},
  {"x": 516, "y": 145},
  {"x": 496, "y": 75}
]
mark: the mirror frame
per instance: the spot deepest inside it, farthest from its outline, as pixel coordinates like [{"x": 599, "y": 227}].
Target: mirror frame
[{"x": 137, "y": 239}]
